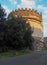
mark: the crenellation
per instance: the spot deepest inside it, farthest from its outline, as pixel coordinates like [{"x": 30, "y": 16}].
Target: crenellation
[
  {"x": 29, "y": 9},
  {"x": 28, "y": 12},
  {"x": 25, "y": 8},
  {"x": 19, "y": 9},
  {"x": 22, "y": 9}
]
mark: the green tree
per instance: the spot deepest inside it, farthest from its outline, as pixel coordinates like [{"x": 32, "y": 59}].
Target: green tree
[
  {"x": 19, "y": 32},
  {"x": 3, "y": 33},
  {"x": 2, "y": 14},
  {"x": 3, "y": 27}
]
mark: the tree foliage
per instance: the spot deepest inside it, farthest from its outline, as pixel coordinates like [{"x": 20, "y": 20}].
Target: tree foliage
[
  {"x": 2, "y": 13},
  {"x": 15, "y": 33},
  {"x": 19, "y": 33}
]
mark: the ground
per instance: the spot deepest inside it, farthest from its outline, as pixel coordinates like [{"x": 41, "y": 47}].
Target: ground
[{"x": 36, "y": 58}]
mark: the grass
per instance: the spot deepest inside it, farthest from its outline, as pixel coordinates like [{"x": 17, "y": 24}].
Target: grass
[
  {"x": 14, "y": 53},
  {"x": 7, "y": 54},
  {"x": 23, "y": 52}
]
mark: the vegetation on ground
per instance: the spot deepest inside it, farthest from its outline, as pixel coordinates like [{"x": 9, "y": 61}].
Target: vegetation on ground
[{"x": 14, "y": 53}]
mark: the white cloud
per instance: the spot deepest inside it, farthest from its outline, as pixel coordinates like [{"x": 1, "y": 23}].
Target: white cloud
[
  {"x": 45, "y": 23},
  {"x": 43, "y": 8},
  {"x": 13, "y": 2},
  {"x": 7, "y": 10},
  {"x": 45, "y": 16},
  {"x": 45, "y": 31},
  {"x": 44, "y": 11},
  {"x": 27, "y": 4}
]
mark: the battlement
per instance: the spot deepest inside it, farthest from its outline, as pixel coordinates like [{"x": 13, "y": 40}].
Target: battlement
[
  {"x": 28, "y": 11},
  {"x": 32, "y": 16}
]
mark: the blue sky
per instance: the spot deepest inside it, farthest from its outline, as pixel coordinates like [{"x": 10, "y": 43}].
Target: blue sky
[{"x": 39, "y": 5}]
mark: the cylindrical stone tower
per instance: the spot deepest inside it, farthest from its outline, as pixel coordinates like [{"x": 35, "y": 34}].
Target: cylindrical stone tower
[{"x": 35, "y": 21}]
